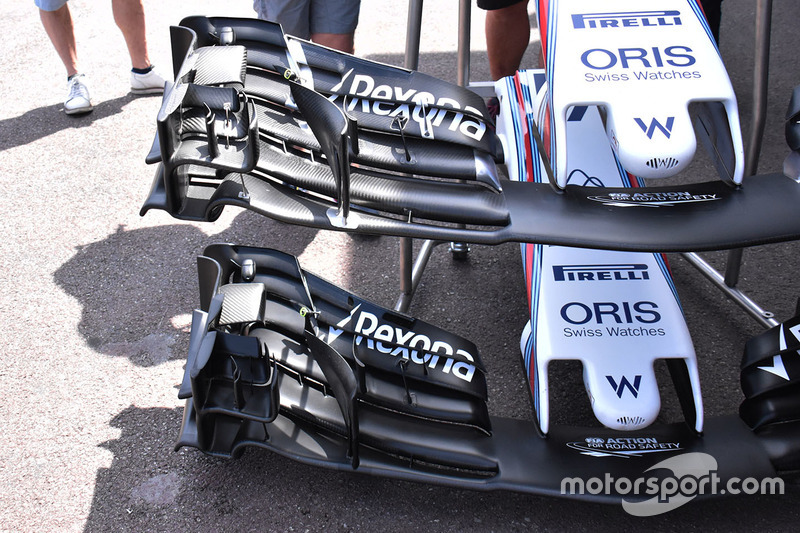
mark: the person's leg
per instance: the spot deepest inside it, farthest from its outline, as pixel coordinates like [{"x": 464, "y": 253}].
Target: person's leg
[
  {"x": 292, "y": 15},
  {"x": 508, "y": 32},
  {"x": 339, "y": 41},
  {"x": 57, "y": 22},
  {"x": 129, "y": 17},
  {"x": 59, "y": 28},
  {"x": 333, "y": 23}
]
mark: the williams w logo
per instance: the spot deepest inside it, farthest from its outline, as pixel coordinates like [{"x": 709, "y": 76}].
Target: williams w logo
[
  {"x": 623, "y": 384},
  {"x": 654, "y": 125}
]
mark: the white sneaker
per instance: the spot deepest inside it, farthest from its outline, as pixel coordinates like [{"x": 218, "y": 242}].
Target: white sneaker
[
  {"x": 150, "y": 83},
  {"x": 78, "y": 100}
]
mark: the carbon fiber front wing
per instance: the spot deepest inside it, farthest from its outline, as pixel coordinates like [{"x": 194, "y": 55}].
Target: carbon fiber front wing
[
  {"x": 364, "y": 147},
  {"x": 283, "y": 360}
]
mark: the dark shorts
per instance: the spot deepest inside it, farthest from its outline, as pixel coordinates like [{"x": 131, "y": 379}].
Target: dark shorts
[
  {"x": 302, "y": 18},
  {"x": 491, "y": 5}
]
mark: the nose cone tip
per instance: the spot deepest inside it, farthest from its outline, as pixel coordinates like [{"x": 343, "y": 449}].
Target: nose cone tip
[{"x": 653, "y": 147}]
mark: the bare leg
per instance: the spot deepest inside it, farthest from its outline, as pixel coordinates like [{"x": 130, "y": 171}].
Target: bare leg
[
  {"x": 508, "y": 32},
  {"x": 59, "y": 27},
  {"x": 337, "y": 41},
  {"x": 129, "y": 16}
]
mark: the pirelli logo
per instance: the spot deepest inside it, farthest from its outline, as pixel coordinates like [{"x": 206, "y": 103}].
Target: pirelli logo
[
  {"x": 621, "y": 272},
  {"x": 635, "y": 19}
]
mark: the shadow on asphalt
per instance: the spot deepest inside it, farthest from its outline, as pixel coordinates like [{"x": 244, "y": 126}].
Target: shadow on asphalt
[
  {"x": 133, "y": 284},
  {"x": 150, "y": 487},
  {"x": 44, "y": 121}
]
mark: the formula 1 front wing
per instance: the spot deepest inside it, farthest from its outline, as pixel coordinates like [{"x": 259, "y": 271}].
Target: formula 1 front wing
[
  {"x": 401, "y": 153},
  {"x": 283, "y": 360}
]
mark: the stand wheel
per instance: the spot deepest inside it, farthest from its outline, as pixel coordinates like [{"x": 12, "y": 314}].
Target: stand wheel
[{"x": 460, "y": 250}]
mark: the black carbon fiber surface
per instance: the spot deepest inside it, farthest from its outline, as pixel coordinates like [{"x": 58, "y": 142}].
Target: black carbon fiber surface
[
  {"x": 381, "y": 150},
  {"x": 292, "y": 181},
  {"x": 267, "y": 86},
  {"x": 447, "y": 201},
  {"x": 219, "y": 65},
  {"x": 243, "y": 302},
  {"x": 215, "y": 98}
]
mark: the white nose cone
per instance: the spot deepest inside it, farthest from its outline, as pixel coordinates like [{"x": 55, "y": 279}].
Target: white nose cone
[
  {"x": 626, "y": 399},
  {"x": 656, "y": 142}
]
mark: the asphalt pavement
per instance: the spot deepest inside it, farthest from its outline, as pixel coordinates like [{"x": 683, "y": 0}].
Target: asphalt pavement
[{"x": 96, "y": 304}]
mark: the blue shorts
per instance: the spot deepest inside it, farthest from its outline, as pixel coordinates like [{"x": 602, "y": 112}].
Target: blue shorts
[
  {"x": 302, "y": 18},
  {"x": 49, "y": 5}
]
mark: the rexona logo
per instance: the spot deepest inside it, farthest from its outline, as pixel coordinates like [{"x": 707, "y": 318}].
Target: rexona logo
[
  {"x": 665, "y": 128},
  {"x": 424, "y": 108},
  {"x": 624, "y": 384},
  {"x": 412, "y": 346},
  {"x": 622, "y": 272},
  {"x": 634, "y": 19}
]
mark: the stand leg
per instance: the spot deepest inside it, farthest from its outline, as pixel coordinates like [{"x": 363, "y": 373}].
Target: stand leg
[
  {"x": 760, "y": 84},
  {"x": 765, "y": 318},
  {"x": 411, "y": 276},
  {"x": 464, "y": 26},
  {"x": 412, "y": 34}
]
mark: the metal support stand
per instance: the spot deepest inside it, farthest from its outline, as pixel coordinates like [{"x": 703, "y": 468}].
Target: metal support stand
[
  {"x": 411, "y": 271},
  {"x": 411, "y": 62},
  {"x": 752, "y": 152},
  {"x": 411, "y": 274},
  {"x": 760, "y": 83},
  {"x": 464, "y": 24},
  {"x": 765, "y": 318},
  {"x": 413, "y": 30}
]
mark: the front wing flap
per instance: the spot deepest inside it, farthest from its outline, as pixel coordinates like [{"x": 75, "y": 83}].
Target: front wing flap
[
  {"x": 231, "y": 133},
  {"x": 283, "y": 360},
  {"x": 287, "y": 341}
]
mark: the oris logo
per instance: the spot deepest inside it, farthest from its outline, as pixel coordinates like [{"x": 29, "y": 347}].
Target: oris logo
[
  {"x": 579, "y": 313},
  {"x": 671, "y": 56}
]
